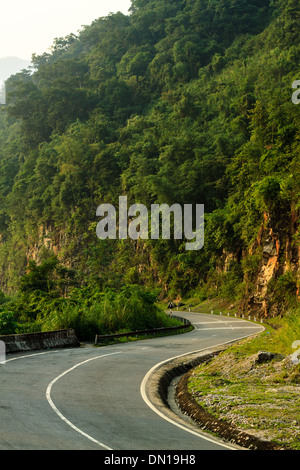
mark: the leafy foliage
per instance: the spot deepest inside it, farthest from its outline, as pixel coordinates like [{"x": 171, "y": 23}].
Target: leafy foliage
[{"x": 185, "y": 101}]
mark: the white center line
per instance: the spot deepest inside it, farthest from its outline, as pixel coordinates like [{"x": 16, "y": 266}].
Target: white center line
[
  {"x": 228, "y": 328},
  {"x": 143, "y": 391},
  {"x": 48, "y": 396}
]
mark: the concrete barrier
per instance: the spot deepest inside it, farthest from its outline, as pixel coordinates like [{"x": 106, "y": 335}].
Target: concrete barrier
[{"x": 36, "y": 341}]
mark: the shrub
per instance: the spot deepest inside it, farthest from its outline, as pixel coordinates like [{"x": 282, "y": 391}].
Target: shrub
[
  {"x": 130, "y": 309},
  {"x": 284, "y": 290},
  {"x": 8, "y": 323}
]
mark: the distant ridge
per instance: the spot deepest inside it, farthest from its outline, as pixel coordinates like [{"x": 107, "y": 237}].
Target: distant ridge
[{"x": 11, "y": 65}]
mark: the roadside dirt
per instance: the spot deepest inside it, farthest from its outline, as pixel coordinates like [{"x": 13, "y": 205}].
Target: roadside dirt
[{"x": 217, "y": 409}]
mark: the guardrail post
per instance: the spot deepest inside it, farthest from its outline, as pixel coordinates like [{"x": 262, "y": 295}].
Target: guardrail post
[{"x": 171, "y": 330}]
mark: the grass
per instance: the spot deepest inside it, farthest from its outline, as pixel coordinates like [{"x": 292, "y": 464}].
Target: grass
[{"x": 263, "y": 399}]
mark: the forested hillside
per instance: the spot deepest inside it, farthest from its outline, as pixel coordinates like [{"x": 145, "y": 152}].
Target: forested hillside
[{"x": 181, "y": 101}]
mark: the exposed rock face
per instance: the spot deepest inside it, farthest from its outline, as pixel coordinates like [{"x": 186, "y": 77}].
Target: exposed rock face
[
  {"x": 280, "y": 253},
  {"x": 46, "y": 238},
  {"x": 270, "y": 264}
]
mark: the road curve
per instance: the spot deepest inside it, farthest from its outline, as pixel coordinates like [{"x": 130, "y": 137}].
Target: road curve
[{"x": 95, "y": 398}]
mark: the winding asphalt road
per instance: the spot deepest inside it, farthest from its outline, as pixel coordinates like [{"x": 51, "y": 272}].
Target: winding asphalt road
[{"x": 96, "y": 398}]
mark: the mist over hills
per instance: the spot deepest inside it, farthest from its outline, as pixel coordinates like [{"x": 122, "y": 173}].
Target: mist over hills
[{"x": 11, "y": 65}]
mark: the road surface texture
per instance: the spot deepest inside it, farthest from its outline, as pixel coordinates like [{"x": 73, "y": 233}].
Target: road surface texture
[{"x": 92, "y": 398}]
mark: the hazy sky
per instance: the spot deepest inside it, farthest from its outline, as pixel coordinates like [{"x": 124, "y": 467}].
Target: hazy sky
[{"x": 30, "y": 26}]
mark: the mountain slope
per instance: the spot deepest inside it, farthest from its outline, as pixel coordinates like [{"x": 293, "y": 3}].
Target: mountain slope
[{"x": 184, "y": 102}]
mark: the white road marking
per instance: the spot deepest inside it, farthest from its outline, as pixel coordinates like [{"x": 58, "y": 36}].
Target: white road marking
[
  {"x": 48, "y": 396},
  {"x": 218, "y": 321},
  {"x": 30, "y": 355},
  {"x": 142, "y": 389},
  {"x": 175, "y": 423},
  {"x": 229, "y": 328}
]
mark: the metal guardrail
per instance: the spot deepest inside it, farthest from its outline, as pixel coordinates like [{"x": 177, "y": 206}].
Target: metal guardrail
[{"x": 169, "y": 329}]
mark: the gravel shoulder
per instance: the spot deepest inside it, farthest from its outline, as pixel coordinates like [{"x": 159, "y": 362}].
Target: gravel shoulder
[{"x": 253, "y": 400}]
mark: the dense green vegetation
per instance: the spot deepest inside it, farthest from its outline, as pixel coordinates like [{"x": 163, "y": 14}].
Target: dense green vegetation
[
  {"x": 40, "y": 306},
  {"x": 182, "y": 101}
]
